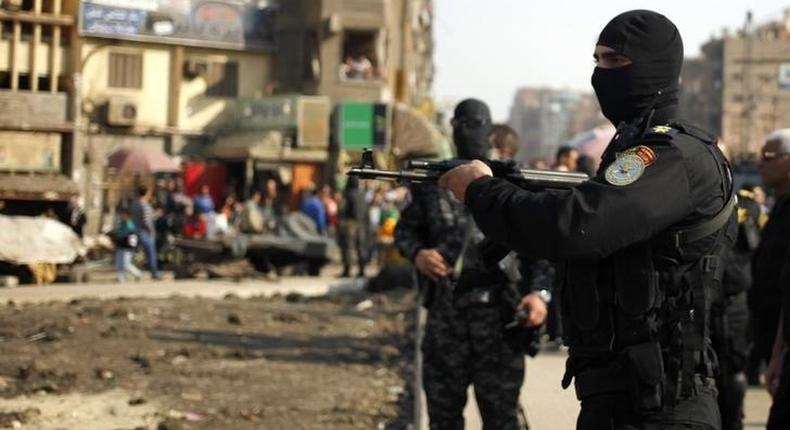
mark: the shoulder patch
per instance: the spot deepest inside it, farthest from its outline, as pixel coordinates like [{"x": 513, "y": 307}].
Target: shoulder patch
[{"x": 626, "y": 169}]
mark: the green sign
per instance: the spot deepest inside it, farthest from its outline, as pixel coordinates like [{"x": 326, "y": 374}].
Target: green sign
[
  {"x": 362, "y": 125},
  {"x": 356, "y": 126}
]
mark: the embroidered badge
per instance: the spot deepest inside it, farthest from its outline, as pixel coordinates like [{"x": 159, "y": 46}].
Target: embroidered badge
[
  {"x": 625, "y": 170},
  {"x": 646, "y": 153}
]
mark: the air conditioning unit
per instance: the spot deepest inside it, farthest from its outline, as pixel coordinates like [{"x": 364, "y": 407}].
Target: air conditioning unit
[
  {"x": 195, "y": 67},
  {"x": 313, "y": 122},
  {"x": 121, "y": 111}
]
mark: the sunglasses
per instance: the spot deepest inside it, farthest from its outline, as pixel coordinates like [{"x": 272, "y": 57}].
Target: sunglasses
[
  {"x": 468, "y": 122},
  {"x": 770, "y": 155}
]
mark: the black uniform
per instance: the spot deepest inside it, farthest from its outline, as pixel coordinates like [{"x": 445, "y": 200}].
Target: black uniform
[
  {"x": 765, "y": 296},
  {"x": 730, "y": 315},
  {"x": 638, "y": 245},
  {"x": 465, "y": 341},
  {"x": 771, "y": 271}
]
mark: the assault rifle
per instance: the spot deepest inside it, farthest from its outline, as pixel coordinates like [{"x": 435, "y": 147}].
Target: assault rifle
[{"x": 428, "y": 171}]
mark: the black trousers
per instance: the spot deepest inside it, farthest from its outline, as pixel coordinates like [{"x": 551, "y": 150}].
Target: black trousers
[
  {"x": 779, "y": 417},
  {"x": 615, "y": 412}
]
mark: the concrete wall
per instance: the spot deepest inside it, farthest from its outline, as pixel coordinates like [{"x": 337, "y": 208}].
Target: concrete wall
[
  {"x": 151, "y": 99},
  {"x": 753, "y": 102},
  {"x": 198, "y": 111}
]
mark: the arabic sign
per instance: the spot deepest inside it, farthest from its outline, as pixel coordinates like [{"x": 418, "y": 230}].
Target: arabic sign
[
  {"x": 210, "y": 23},
  {"x": 362, "y": 125}
]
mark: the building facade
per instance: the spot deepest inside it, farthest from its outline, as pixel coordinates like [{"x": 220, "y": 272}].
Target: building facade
[
  {"x": 39, "y": 157},
  {"x": 249, "y": 83},
  {"x": 756, "y": 85},
  {"x": 740, "y": 86},
  {"x": 547, "y": 118}
]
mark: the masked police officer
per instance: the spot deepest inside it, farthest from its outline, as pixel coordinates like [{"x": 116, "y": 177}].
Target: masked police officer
[
  {"x": 469, "y": 302},
  {"x": 638, "y": 246}
]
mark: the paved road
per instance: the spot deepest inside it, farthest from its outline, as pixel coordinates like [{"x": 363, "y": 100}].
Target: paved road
[{"x": 548, "y": 407}]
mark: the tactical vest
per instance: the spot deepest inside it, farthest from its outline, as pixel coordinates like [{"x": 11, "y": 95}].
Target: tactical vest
[{"x": 637, "y": 321}]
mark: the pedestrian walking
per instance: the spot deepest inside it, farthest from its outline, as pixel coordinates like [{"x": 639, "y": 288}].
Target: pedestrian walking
[{"x": 126, "y": 240}]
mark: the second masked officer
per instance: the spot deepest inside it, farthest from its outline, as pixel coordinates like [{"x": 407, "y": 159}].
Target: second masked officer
[{"x": 469, "y": 302}]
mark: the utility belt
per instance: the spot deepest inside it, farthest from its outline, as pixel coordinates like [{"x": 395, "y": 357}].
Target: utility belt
[
  {"x": 637, "y": 371},
  {"x": 474, "y": 279},
  {"x": 472, "y": 287}
]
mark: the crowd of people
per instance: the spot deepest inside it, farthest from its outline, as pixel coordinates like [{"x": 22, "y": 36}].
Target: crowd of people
[
  {"x": 151, "y": 217},
  {"x": 360, "y": 218}
]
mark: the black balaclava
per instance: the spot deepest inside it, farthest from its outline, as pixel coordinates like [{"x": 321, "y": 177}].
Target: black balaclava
[
  {"x": 471, "y": 126},
  {"x": 653, "y": 44}
]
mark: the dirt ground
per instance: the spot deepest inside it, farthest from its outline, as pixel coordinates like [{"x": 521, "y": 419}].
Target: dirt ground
[{"x": 187, "y": 363}]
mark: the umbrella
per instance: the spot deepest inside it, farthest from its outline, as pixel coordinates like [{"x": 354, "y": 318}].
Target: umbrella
[
  {"x": 593, "y": 142},
  {"x": 141, "y": 160}
]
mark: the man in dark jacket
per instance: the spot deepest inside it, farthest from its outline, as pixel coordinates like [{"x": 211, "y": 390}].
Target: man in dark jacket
[{"x": 771, "y": 270}]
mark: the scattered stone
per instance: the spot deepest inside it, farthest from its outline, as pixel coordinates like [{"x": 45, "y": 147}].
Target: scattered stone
[
  {"x": 234, "y": 319},
  {"x": 195, "y": 397},
  {"x": 9, "y": 281},
  {"x": 184, "y": 415},
  {"x": 16, "y": 419},
  {"x": 141, "y": 361},
  {"x": 179, "y": 360},
  {"x": 389, "y": 352},
  {"x": 104, "y": 374},
  {"x": 364, "y": 305},
  {"x": 294, "y": 298},
  {"x": 169, "y": 424},
  {"x": 287, "y": 317},
  {"x": 137, "y": 401}
]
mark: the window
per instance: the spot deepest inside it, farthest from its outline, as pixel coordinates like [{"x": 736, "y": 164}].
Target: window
[
  {"x": 126, "y": 70},
  {"x": 359, "y": 55},
  {"x": 222, "y": 80}
]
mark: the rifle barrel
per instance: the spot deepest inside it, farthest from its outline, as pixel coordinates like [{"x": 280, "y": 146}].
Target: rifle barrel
[{"x": 393, "y": 175}]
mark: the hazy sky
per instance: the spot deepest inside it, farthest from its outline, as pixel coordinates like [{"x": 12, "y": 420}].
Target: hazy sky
[{"x": 488, "y": 49}]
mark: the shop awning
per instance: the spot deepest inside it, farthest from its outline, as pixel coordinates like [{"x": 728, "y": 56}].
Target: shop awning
[{"x": 262, "y": 145}]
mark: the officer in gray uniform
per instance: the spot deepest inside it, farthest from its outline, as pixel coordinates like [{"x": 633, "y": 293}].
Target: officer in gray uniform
[
  {"x": 638, "y": 246},
  {"x": 470, "y": 302}
]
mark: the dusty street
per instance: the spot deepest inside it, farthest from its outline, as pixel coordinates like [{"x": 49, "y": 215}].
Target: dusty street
[
  {"x": 198, "y": 363},
  {"x": 249, "y": 355}
]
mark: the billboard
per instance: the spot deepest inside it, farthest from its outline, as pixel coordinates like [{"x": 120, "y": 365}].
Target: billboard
[
  {"x": 242, "y": 25},
  {"x": 362, "y": 125}
]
